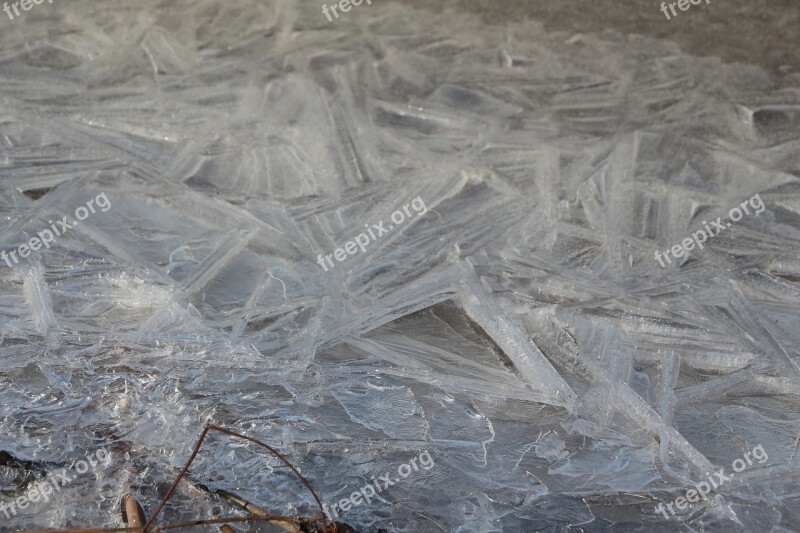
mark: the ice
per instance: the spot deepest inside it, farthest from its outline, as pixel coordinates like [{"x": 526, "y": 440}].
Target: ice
[{"x": 519, "y": 329}]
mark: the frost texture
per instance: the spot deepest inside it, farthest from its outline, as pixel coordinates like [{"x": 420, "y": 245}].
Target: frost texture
[{"x": 521, "y": 330}]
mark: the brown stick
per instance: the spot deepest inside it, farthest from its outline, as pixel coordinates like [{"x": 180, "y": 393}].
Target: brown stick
[
  {"x": 257, "y": 511},
  {"x": 290, "y": 524},
  {"x": 273, "y": 518},
  {"x": 188, "y": 523},
  {"x": 233, "y": 434},
  {"x": 279, "y": 455},
  {"x": 98, "y": 530},
  {"x": 134, "y": 514}
]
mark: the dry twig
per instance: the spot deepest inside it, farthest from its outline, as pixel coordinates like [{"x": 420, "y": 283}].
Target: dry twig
[{"x": 134, "y": 515}]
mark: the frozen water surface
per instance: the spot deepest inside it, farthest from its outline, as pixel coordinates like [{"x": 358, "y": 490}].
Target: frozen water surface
[{"x": 518, "y": 328}]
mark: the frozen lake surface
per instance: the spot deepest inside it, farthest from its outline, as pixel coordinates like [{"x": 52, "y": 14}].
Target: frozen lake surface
[{"x": 390, "y": 234}]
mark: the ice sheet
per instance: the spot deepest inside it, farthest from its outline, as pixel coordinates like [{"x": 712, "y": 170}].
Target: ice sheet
[{"x": 519, "y": 329}]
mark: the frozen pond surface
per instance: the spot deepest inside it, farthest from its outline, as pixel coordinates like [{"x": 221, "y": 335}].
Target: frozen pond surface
[{"x": 394, "y": 236}]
